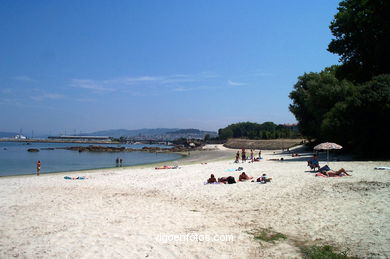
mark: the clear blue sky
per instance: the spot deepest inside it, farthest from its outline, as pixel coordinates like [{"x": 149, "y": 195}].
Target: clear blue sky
[{"x": 95, "y": 65}]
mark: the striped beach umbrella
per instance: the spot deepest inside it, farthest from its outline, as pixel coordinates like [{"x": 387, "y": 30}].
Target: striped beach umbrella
[{"x": 327, "y": 146}]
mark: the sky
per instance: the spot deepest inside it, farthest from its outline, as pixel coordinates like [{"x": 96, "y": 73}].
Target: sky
[{"x": 71, "y": 66}]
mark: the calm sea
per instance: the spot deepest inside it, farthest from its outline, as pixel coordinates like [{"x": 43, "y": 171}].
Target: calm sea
[{"x": 16, "y": 160}]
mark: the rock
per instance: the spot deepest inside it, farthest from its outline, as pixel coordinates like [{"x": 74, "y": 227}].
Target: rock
[
  {"x": 33, "y": 150},
  {"x": 97, "y": 149}
]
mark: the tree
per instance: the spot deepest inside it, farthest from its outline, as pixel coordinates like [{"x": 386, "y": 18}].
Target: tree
[
  {"x": 266, "y": 130},
  {"x": 313, "y": 96},
  {"x": 362, "y": 121},
  {"x": 350, "y": 103},
  {"x": 362, "y": 35},
  {"x": 225, "y": 133}
]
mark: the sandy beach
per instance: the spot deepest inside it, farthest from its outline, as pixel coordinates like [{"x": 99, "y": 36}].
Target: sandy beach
[{"x": 142, "y": 212}]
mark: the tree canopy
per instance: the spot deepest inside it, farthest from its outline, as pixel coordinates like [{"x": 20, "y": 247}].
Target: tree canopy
[
  {"x": 362, "y": 121},
  {"x": 350, "y": 103},
  {"x": 362, "y": 35},
  {"x": 250, "y": 130},
  {"x": 313, "y": 96}
]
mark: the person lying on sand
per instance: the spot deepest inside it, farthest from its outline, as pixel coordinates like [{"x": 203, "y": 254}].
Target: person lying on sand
[
  {"x": 332, "y": 173},
  {"x": 167, "y": 167},
  {"x": 75, "y": 178},
  {"x": 212, "y": 179},
  {"x": 263, "y": 179},
  {"x": 276, "y": 159},
  {"x": 228, "y": 180},
  {"x": 244, "y": 177},
  {"x": 326, "y": 171}
]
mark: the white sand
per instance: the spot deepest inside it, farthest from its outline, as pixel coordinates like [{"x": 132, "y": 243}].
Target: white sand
[{"x": 122, "y": 212}]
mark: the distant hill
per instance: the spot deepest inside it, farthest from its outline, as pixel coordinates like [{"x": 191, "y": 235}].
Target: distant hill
[
  {"x": 7, "y": 134},
  {"x": 185, "y": 131},
  {"x": 159, "y": 133}
]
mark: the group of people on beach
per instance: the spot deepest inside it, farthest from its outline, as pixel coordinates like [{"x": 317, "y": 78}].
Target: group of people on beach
[
  {"x": 244, "y": 157},
  {"x": 242, "y": 178}
]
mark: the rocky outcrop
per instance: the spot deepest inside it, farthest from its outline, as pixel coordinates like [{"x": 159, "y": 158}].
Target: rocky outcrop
[
  {"x": 97, "y": 149},
  {"x": 123, "y": 149}
]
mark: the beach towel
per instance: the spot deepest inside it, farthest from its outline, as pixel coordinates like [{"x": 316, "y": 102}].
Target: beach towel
[
  {"x": 382, "y": 168},
  {"x": 75, "y": 178},
  {"x": 323, "y": 175},
  {"x": 230, "y": 170}
]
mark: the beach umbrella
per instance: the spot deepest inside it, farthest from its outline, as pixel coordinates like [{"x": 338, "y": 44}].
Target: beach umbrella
[{"x": 327, "y": 146}]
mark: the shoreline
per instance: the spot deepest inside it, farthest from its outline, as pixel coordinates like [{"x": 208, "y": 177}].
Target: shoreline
[{"x": 195, "y": 156}]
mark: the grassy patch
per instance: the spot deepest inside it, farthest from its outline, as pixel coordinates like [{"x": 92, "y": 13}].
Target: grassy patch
[
  {"x": 308, "y": 251},
  {"x": 268, "y": 235},
  {"x": 324, "y": 252}
]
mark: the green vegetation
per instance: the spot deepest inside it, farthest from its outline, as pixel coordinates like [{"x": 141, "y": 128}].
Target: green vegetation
[
  {"x": 362, "y": 35},
  {"x": 267, "y": 130},
  {"x": 350, "y": 103},
  {"x": 268, "y": 235},
  {"x": 309, "y": 252},
  {"x": 323, "y": 252}
]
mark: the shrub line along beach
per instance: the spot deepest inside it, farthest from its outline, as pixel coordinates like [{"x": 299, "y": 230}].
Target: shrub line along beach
[{"x": 124, "y": 212}]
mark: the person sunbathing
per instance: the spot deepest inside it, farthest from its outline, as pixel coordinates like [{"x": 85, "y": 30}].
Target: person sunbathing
[
  {"x": 227, "y": 180},
  {"x": 263, "y": 179},
  {"x": 244, "y": 177},
  {"x": 332, "y": 173},
  {"x": 212, "y": 179}
]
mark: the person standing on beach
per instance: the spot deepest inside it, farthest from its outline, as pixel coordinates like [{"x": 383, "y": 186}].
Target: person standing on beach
[
  {"x": 237, "y": 157},
  {"x": 243, "y": 156},
  {"x": 117, "y": 161},
  {"x": 38, "y": 167},
  {"x": 120, "y": 162},
  {"x": 259, "y": 154},
  {"x": 252, "y": 156}
]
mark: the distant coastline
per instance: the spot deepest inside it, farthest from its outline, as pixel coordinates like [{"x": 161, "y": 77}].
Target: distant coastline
[{"x": 58, "y": 141}]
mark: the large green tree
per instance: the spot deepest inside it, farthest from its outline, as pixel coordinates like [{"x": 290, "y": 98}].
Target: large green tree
[
  {"x": 350, "y": 103},
  {"x": 313, "y": 96},
  {"x": 362, "y": 39},
  {"x": 362, "y": 121}
]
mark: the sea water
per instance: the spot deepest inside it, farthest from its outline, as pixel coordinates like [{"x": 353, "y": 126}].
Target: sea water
[{"x": 16, "y": 160}]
